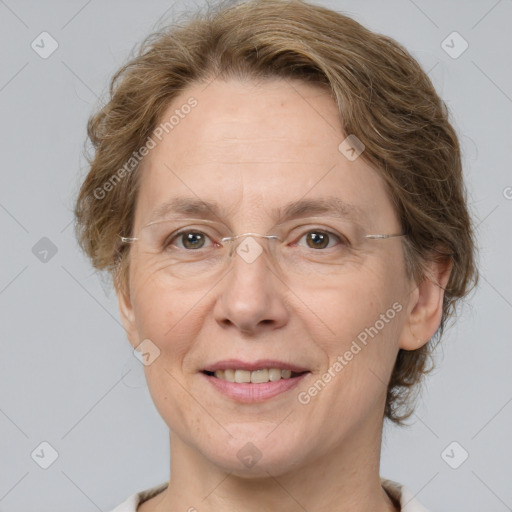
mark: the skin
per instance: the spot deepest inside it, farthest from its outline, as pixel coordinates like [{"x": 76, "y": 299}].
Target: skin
[{"x": 251, "y": 147}]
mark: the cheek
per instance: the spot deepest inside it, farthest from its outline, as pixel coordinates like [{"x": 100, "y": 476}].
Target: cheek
[
  {"x": 360, "y": 360},
  {"x": 343, "y": 310},
  {"x": 359, "y": 328},
  {"x": 173, "y": 402},
  {"x": 165, "y": 312},
  {"x": 168, "y": 316}
]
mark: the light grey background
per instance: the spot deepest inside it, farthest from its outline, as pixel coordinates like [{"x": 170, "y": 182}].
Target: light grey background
[{"x": 63, "y": 350}]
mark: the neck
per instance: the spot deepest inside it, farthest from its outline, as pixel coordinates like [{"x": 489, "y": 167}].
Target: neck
[{"x": 342, "y": 480}]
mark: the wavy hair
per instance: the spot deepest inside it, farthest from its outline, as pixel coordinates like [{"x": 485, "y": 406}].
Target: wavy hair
[{"x": 383, "y": 97}]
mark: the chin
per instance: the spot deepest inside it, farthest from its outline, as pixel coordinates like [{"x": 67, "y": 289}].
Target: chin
[{"x": 258, "y": 456}]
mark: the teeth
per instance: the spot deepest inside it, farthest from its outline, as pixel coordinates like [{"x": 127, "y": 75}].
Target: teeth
[
  {"x": 256, "y": 376},
  {"x": 259, "y": 376},
  {"x": 228, "y": 375},
  {"x": 242, "y": 376},
  {"x": 274, "y": 374},
  {"x": 286, "y": 374}
]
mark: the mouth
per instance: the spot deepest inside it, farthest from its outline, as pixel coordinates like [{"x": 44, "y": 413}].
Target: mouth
[
  {"x": 253, "y": 382},
  {"x": 260, "y": 376}
]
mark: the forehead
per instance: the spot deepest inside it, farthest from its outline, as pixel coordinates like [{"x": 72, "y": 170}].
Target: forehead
[{"x": 253, "y": 148}]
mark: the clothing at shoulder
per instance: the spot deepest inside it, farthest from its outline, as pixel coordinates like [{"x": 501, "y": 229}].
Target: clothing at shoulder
[
  {"x": 131, "y": 503},
  {"x": 403, "y": 495},
  {"x": 408, "y": 503}
]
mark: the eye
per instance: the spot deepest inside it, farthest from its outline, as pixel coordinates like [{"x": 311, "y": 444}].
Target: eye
[
  {"x": 190, "y": 239},
  {"x": 320, "y": 239}
]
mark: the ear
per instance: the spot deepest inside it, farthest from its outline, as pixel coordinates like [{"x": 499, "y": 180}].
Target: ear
[
  {"x": 425, "y": 306},
  {"x": 127, "y": 315}
]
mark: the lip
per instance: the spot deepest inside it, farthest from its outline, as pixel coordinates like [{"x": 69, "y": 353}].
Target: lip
[
  {"x": 250, "y": 393},
  {"x": 260, "y": 364}
]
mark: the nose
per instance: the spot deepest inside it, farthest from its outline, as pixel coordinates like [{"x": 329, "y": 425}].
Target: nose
[{"x": 251, "y": 297}]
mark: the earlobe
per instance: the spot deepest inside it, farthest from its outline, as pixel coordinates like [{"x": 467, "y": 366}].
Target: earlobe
[{"x": 426, "y": 306}]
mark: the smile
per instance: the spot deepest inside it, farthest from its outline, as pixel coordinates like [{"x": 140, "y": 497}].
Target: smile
[
  {"x": 244, "y": 390},
  {"x": 255, "y": 377}
]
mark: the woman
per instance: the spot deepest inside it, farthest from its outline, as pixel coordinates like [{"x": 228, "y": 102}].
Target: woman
[{"x": 278, "y": 193}]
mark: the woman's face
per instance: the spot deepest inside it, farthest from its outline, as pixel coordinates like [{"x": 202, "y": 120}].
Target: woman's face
[{"x": 251, "y": 149}]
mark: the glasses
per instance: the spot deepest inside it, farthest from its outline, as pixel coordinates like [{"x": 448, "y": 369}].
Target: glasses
[{"x": 189, "y": 248}]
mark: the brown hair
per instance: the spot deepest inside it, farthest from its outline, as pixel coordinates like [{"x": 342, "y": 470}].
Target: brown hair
[{"x": 383, "y": 96}]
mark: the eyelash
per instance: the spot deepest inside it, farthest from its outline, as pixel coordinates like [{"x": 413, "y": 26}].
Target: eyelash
[{"x": 169, "y": 240}]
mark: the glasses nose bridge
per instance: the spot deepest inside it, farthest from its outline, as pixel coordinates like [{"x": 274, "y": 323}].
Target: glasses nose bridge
[{"x": 235, "y": 241}]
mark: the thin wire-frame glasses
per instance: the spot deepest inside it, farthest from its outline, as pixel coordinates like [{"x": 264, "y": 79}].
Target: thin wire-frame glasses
[{"x": 158, "y": 246}]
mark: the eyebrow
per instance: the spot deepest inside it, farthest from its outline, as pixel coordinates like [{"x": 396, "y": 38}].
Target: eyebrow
[{"x": 197, "y": 208}]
